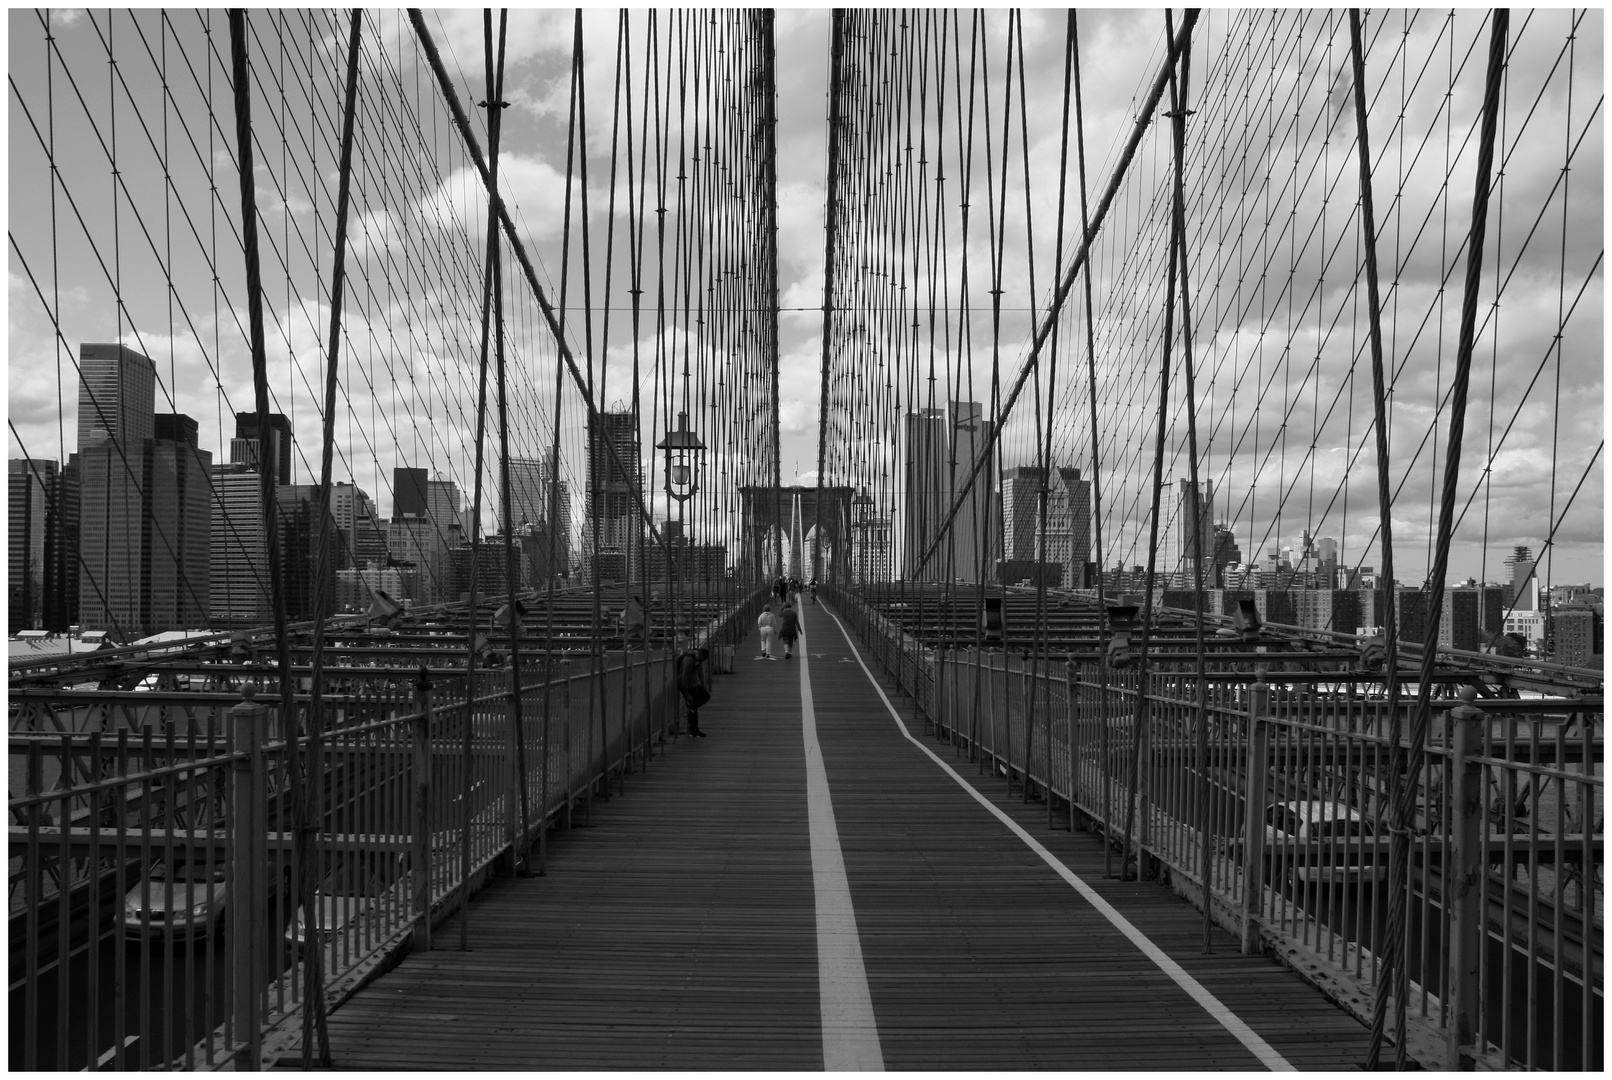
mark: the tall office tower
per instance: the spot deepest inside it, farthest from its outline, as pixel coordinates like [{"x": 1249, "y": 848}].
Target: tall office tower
[
  {"x": 561, "y": 494},
  {"x": 528, "y": 495},
  {"x": 1021, "y": 512},
  {"x": 1227, "y": 553},
  {"x": 244, "y": 448},
  {"x": 1069, "y": 525},
  {"x": 926, "y": 486},
  {"x": 613, "y": 489},
  {"x": 361, "y": 538},
  {"x": 1522, "y": 591},
  {"x": 35, "y": 538},
  {"x": 1326, "y": 553},
  {"x": 240, "y": 579},
  {"x": 1179, "y": 550},
  {"x": 69, "y": 497},
  {"x": 116, "y": 395},
  {"x": 442, "y": 506},
  {"x": 419, "y": 548},
  {"x": 115, "y": 426},
  {"x": 975, "y": 530},
  {"x": 613, "y": 496},
  {"x": 178, "y": 528},
  {"x": 409, "y": 492},
  {"x": 298, "y": 508}
]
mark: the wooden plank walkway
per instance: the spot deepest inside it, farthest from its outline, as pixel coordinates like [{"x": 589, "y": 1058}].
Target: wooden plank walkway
[{"x": 678, "y": 931}]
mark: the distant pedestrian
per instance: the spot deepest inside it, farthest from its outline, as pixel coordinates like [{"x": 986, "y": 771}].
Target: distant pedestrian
[
  {"x": 768, "y": 629},
  {"x": 691, "y": 685},
  {"x": 634, "y": 624},
  {"x": 780, "y": 589},
  {"x": 788, "y": 630}
]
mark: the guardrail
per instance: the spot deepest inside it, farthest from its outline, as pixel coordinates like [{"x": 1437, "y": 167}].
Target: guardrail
[
  {"x": 1278, "y": 801},
  {"x": 155, "y": 865}
]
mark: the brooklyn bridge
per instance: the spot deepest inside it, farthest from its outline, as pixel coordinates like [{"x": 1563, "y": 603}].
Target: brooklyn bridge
[{"x": 806, "y": 540}]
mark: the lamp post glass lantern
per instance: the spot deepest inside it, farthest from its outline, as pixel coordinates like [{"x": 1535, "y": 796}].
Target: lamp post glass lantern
[{"x": 683, "y": 450}]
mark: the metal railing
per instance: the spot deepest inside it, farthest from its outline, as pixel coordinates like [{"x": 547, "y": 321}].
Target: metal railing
[
  {"x": 1281, "y": 808},
  {"x": 154, "y": 868}
]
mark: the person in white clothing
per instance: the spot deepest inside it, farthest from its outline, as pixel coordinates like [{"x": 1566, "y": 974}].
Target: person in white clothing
[{"x": 768, "y": 629}]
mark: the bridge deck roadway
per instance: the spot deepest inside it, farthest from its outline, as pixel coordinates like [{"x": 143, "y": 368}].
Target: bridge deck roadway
[{"x": 704, "y": 921}]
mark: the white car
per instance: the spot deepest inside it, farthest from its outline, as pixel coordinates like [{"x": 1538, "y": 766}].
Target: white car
[
  {"x": 1349, "y": 849},
  {"x": 356, "y": 884},
  {"x": 178, "y": 898}
]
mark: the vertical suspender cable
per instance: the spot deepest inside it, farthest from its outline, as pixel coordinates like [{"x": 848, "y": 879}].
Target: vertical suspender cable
[
  {"x": 1139, "y": 716},
  {"x": 313, "y": 995},
  {"x": 1385, "y": 602},
  {"x": 1500, "y": 21},
  {"x": 1096, "y": 455},
  {"x": 260, "y": 385},
  {"x": 495, "y": 110},
  {"x": 831, "y": 215},
  {"x": 474, "y": 640},
  {"x": 1179, "y": 114}
]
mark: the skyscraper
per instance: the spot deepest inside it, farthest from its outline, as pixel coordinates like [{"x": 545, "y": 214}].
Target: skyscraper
[
  {"x": 925, "y": 490},
  {"x": 116, "y": 395},
  {"x": 528, "y": 495},
  {"x": 974, "y": 531},
  {"x": 613, "y": 492},
  {"x": 1021, "y": 511},
  {"x": 1183, "y": 535},
  {"x": 941, "y": 448},
  {"x": 117, "y": 389},
  {"x": 244, "y": 448},
  {"x": 408, "y": 492},
  {"x": 178, "y": 528},
  {"x": 1522, "y": 592},
  {"x": 1069, "y": 525},
  {"x": 35, "y": 537},
  {"x": 240, "y": 580}
]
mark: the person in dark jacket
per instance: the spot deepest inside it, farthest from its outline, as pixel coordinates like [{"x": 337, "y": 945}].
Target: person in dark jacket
[
  {"x": 788, "y": 630},
  {"x": 691, "y": 685}
]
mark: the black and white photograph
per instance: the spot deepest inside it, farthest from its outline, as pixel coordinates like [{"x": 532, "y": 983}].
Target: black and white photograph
[{"x": 806, "y": 539}]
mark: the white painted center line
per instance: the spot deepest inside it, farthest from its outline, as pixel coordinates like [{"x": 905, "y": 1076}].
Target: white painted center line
[
  {"x": 850, "y": 1035},
  {"x": 1211, "y": 1004}
]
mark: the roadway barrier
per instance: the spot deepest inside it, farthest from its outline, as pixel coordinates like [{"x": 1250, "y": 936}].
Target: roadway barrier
[{"x": 1278, "y": 800}]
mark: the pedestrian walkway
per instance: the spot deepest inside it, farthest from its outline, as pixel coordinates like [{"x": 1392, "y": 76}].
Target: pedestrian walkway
[{"x": 815, "y": 885}]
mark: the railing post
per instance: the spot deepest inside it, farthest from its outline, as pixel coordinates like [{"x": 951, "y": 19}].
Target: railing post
[
  {"x": 420, "y": 729},
  {"x": 1259, "y": 747},
  {"x": 1071, "y": 687},
  {"x": 249, "y": 722},
  {"x": 1465, "y": 882}
]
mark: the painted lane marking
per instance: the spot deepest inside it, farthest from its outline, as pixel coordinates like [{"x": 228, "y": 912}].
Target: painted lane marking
[
  {"x": 850, "y": 1034},
  {"x": 1211, "y": 1004}
]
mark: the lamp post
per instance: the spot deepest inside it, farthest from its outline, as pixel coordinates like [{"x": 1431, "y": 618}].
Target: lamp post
[{"x": 684, "y": 452}]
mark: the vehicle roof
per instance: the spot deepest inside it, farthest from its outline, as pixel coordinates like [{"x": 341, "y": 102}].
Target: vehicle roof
[{"x": 1318, "y": 810}]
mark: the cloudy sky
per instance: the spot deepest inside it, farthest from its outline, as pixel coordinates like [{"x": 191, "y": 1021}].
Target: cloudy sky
[{"x": 61, "y": 276}]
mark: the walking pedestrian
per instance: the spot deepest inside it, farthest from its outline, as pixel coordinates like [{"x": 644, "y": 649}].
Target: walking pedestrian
[
  {"x": 692, "y": 686},
  {"x": 768, "y": 628},
  {"x": 788, "y": 630}
]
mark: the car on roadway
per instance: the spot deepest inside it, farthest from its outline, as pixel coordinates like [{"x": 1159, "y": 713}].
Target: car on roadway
[
  {"x": 1322, "y": 842},
  {"x": 178, "y": 898},
  {"x": 356, "y": 885}
]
